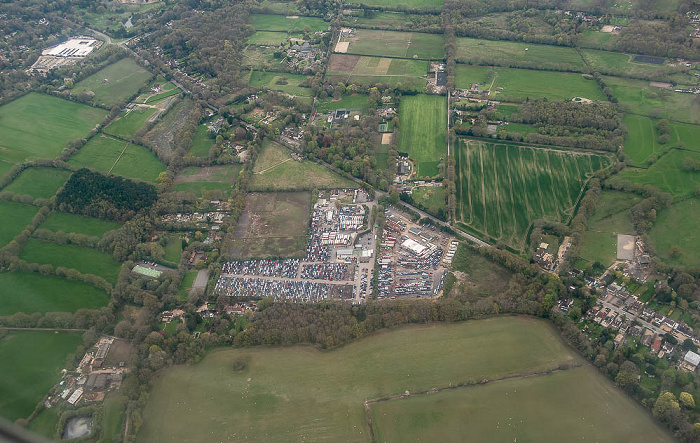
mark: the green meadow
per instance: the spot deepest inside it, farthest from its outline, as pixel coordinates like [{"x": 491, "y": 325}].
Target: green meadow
[
  {"x": 423, "y": 126},
  {"x": 667, "y": 174},
  {"x": 78, "y": 224},
  {"x": 677, "y": 226},
  {"x": 14, "y": 217},
  {"x": 642, "y": 139},
  {"x": 366, "y": 70},
  {"x": 208, "y": 178},
  {"x": 114, "y": 83},
  {"x": 127, "y": 124},
  {"x": 281, "y": 23},
  {"x": 39, "y": 182},
  {"x": 29, "y": 293},
  {"x": 40, "y": 126},
  {"x": 397, "y": 44},
  {"x": 283, "y": 82}
]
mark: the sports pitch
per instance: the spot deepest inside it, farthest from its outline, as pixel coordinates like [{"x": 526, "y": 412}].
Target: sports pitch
[
  {"x": 502, "y": 188},
  {"x": 40, "y": 126},
  {"x": 115, "y": 82},
  {"x": 422, "y": 134},
  {"x": 301, "y": 393}
]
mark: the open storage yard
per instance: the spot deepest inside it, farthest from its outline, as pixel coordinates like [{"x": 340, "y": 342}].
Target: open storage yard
[
  {"x": 423, "y": 127},
  {"x": 280, "y": 395},
  {"x": 503, "y": 188},
  {"x": 115, "y": 82},
  {"x": 40, "y": 126}
]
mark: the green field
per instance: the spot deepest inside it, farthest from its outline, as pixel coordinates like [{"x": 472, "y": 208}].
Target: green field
[
  {"x": 186, "y": 284},
  {"x": 208, "y": 178},
  {"x": 117, "y": 157},
  {"x": 385, "y": 20},
  {"x": 127, "y": 125},
  {"x": 268, "y": 38},
  {"x": 29, "y": 293},
  {"x": 423, "y": 127},
  {"x": 667, "y": 174},
  {"x": 400, "y": 4},
  {"x": 40, "y": 126},
  {"x": 39, "y": 183},
  {"x": 616, "y": 63},
  {"x": 519, "y": 84},
  {"x": 112, "y": 418},
  {"x": 276, "y": 170},
  {"x": 397, "y": 44},
  {"x": 430, "y": 198},
  {"x": 677, "y": 226},
  {"x": 45, "y": 423},
  {"x": 173, "y": 248},
  {"x": 167, "y": 89},
  {"x": 70, "y": 223},
  {"x": 30, "y": 364},
  {"x": 280, "y": 23},
  {"x": 14, "y": 217},
  {"x": 84, "y": 260},
  {"x": 611, "y": 217},
  {"x": 300, "y": 393},
  {"x": 354, "y": 101},
  {"x": 201, "y": 142},
  {"x": 580, "y": 404},
  {"x": 273, "y": 80},
  {"x": 505, "y": 53},
  {"x": 503, "y": 188},
  {"x": 363, "y": 70},
  {"x": 642, "y": 98},
  {"x": 115, "y": 83},
  {"x": 642, "y": 138}
]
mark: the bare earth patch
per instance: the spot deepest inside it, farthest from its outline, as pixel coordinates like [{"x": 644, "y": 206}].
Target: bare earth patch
[
  {"x": 342, "y": 47},
  {"x": 386, "y": 138}
]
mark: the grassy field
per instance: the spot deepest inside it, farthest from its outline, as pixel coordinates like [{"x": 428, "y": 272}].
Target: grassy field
[
  {"x": 186, "y": 284},
  {"x": 423, "y": 125},
  {"x": 114, "y": 156},
  {"x": 127, "y": 125},
  {"x": 273, "y": 225},
  {"x": 29, "y": 293},
  {"x": 208, "y": 178},
  {"x": 642, "y": 98},
  {"x": 40, "y": 126},
  {"x": 167, "y": 89},
  {"x": 616, "y": 63},
  {"x": 268, "y": 38},
  {"x": 28, "y": 376},
  {"x": 272, "y": 80},
  {"x": 579, "y": 403},
  {"x": 14, "y": 217},
  {"x": 373, "y": 70},
  {"x": 114, "y": 83},
  {"x": 431, "y": 198},
  {"x": 276, "y": 170},
  {"x": 92, "y": 227},
  {"x": 354, "y": 101},
  {"x": 201, "y": 142},
  {"x": 382, "y": 20},
  {"x": 45, "y": 423},
  {"x": 477, "y": 276},
  {"x": 505, "y": 53},
  {"x": 39, "y": 183},
  {"x": 173, "y": 248},
  {"x": 642, "y": 138},
  {"x": 519, "y": 84},
  {"x": 417, "y": 4},
  {"x": 503, "y": 188},
  {"x": 677, "y": 225},
  {"x": 611, "y": 217},
  {"x": 667, "y": 174},
  {"x": 112, "y": 418},
  {"x": 397, "y": 44},
  {"x": 300, "y": 393},
  {"x": 84, "y": 260},
  {"x": 281, "y": 23}
]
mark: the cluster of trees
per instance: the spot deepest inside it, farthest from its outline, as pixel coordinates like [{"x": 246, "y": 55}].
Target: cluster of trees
[
  {"x": 663, "y": 38},
  {"x": 429, "y": 23},
  {"x": 96, "y": 195}
]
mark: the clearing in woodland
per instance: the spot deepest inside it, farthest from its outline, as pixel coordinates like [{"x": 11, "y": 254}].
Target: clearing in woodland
[
  {"x": 301, "y": 393},
  {"x": 502, "y": 188}
]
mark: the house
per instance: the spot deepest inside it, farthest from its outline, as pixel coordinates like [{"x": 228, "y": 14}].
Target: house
[
  {"x": 690, "y": 362},
  {"x": 656, "y": 345},
  {"x": 648, "y": 337}
]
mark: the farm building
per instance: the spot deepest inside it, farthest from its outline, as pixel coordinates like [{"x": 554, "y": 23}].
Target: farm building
[
  {"x": 690, "y": 362},
  {"x": 75, "y": 47}
]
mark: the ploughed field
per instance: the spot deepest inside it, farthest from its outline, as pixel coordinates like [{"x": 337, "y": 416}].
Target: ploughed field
[
  {"x": 301, "y": 393},
  {"x": 502, "y": 188}
]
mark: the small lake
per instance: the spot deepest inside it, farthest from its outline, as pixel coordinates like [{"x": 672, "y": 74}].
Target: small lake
[{"x": 77, "y": 427}]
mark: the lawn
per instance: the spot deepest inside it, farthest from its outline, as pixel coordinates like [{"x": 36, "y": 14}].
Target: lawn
[
  {"x": 114, "y": 156},
  {"x": 524, "y": 55},
  {"x": 201, "y": 142},
  {"x": 667, "y": 174},
  {"x": 348, "y": 101},
  {"x": 186, "y": 284},
  {"x": 39, "y": 182},
  {"x": 208, "y": 178},
  {"x": 502, "y": 188},
  {"x": 14, "y": 217},
  {"x": 517, "y": 85},
  {"x": 28, "y": 376},
  {"x": 275, "y": 170},
  {"x": 273, "y": 225},
  {"x": 70, "y": 223},
  {"x": 423, "y": 124},
  {"x": 29, "y": 293},
  {"x": 173, "y": 248},
  {"x": 281, "y": 23},
  {"x": 40, "y": 126},
  {"x": 114, "y": 83},
  {"x": 397, "y": 44},
  {"x": 580, "y": 403},
  {"x": 283, "y": 82},
  {"x": 642, "y": 98},
  {"x": 366, "y": 70},
  {"x": 677, "y": 226},
  {"x": 268, "y": 38},
  {"x": 128, "y": 124},
  {"x": 84, "y": 260},
  {"x": 301, "y": 393},
  {"x": 642, "y": 138}
]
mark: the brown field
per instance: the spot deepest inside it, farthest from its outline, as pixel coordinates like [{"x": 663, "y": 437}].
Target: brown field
[{"x": 345, "y": 63}]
